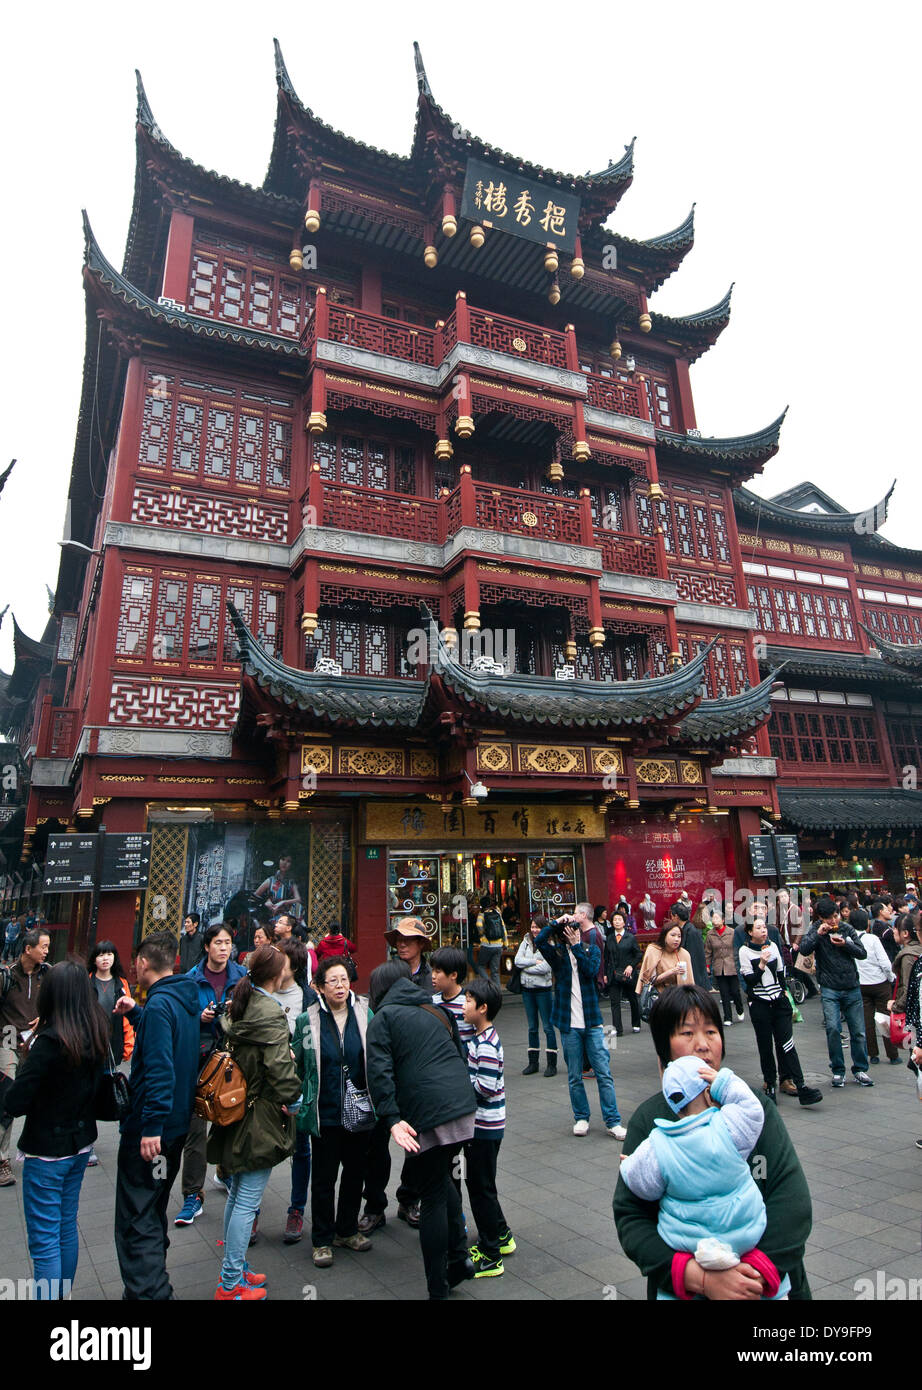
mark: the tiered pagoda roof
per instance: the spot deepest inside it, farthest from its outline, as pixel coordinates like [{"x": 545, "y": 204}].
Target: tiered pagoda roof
[
  {"x": 858, "y": 808},
  {"x": 741, "y": 454},
  {"x": 695, "y": 333},
  {"x": 847, "y": 668},
  {"x": 779, "y": 511}
]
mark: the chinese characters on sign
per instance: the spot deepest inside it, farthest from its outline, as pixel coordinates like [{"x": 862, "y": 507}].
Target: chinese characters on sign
[
  {"x": 421, "y": 823},
  {"x": 505, "y": 200}
]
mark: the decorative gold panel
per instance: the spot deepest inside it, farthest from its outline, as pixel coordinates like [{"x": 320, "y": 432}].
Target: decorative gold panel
[
  {"x": 810, "y": 550},
  {"x": 398, "y": 822},
  {"x": 690, "y": 772},
  {"x": 494, "y": 757},
  {"x": 831, "y": 554},
  {"x": 317, "y": 757},
  {"x": 169, "y": 846},
  {"x": 656, "y": 771},
  {"x": 370, "y": 762},
  {"x": 422, "y": 763},
  {"x": 607, "y": 760},
  {"x": 781, "y": 546},
  {"x": 550, "y": 757}
]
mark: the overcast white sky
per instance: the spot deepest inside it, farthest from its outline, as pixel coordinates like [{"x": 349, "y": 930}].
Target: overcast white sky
[{"x": 794, "y": 127}]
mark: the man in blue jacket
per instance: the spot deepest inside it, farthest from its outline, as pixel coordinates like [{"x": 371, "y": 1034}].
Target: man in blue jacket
[
  {"x": 578, "y": 1017},
  {"x": 161, "y": 1087},
  {"x": 215, "y": 976}
]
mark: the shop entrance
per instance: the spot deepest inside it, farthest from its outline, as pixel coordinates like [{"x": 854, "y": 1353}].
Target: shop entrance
[{"x": 445, "y": 888}]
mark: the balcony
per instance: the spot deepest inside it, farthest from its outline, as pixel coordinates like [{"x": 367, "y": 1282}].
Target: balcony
[{"x": 503, "y": 510}]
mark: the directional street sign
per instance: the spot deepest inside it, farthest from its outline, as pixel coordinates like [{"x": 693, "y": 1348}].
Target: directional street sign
[
  {"x": 70, "y": 863},
  {"x": 125, "y": 863},
  {"x": 762, "y": 856}
]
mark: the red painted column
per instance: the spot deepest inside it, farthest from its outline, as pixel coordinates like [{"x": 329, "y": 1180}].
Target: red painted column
[
  {"x": 100, "y": 650},
  {"x": 471, "y": 595},
  {"x": 129, "y": 442},
  {"x": 468, "y": 496},
  {"x": 178, "y": 266},
  {"x": 686, "y": 405},
  {"x": 739, "y": 578},
  {"x": 371, "y": 919},
  {"x": 586, "y": 524},
  {"x": 115, "y": 921},
  {"x": 371, "y": 289},
  {"x": 462, "y": 317}
]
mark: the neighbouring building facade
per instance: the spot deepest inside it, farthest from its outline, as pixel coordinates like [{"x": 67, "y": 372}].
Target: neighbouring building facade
[{"x": 400, "y": 575}]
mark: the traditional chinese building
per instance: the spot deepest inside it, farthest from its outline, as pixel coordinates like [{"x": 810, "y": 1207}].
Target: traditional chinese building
[
  {"x": 839, "y": 610},
  {"x": 404, "y": 437}
]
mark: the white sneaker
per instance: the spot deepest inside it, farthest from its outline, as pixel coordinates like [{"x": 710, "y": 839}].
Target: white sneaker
[
  {"x": 618, "y": 1132},
  {"x": 635, "y": 1030},
  {"x": 581, "y": 1127},
  {"x": 728, "y": 1023},
  {"x": 741, "y": 1014}
]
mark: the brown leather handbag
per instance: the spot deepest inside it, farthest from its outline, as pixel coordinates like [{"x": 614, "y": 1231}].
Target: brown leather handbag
[{"x": 221, "y": 1093}]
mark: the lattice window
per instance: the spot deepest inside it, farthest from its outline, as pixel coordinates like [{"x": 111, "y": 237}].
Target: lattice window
[
  {"x": 898, "y": 627},
  {"x": 372, "y": 463},
  {"x": 134, "y": 616},
  {"x": 271, "y": 614},
  {"x": 204, "y": 284},
  {"x": 233, "y": 292},
  {"x": 199, "y": 427},
  {"x": 365, "y": 646},
  {"x": 205, "y": 621},
  {"x": 663, "y": 514},
  {"x": 240, "y": 593},
  {"x": 247, "y": 285},
  {"x": 170, "y": 621},
  {"x": 738, "y": 665},
  {"x": 840, "y": 740},
  {"x": 683, "y": 530},
  {"x": 702, "y": 533},
  {"x": 721, "y": 538},
  {"x": 906, "y": 741},
  {"x": 800, "y": 613},
  {"x": 645, "y": 523},
  {"x": 250, "y": 435},
  {"x": 616, "y": 661},
  {"x": 157, "y": 421}
]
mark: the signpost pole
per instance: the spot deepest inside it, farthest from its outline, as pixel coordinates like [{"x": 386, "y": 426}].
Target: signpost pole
[{"x": 97, "y": 879}]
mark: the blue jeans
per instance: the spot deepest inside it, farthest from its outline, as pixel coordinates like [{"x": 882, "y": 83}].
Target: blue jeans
[
  {"x": 598, "y": 1060},
  {"x": 242, "y": 1205},
  {"x": 300, "y": 1171},
  {"x": 539, "y": 1002},
  {"x": 51, "y": 1195},
  {"x": 847, "y": 1002}
]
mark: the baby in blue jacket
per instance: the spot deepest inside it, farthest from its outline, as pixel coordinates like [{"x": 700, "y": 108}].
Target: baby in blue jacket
[{"x": 696, "y": 1167}]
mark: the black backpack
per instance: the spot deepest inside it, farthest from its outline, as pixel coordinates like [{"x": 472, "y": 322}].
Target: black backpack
[{"x": 493, "y": 925}]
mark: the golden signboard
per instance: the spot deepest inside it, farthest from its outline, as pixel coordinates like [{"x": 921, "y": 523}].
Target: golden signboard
[{"x": 402, "y": 822}]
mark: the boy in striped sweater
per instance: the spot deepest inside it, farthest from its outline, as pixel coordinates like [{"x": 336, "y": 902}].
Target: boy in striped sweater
[{"x": 482, "y": 1002}]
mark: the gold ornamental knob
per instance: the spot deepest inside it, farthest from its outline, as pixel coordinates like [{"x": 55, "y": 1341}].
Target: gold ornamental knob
[
  {"x": 577, "y": 267},
  {"x": 645, "y": 323},
  {"x": 312, "y": 220},
  {"x": 477, "y": 236},
  {"x": 449, "y": 225},
  {"x": 295, "y": 259},
  {"x": 431, "y": 257}
]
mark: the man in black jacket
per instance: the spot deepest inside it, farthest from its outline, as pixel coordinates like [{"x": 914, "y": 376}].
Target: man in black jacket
[
  {"x": 692, "y": 942},
  {"x": 19, "y": 988},
  {"x": 191, "y": 943},
  {"x": 422, "y": 1092},
  {"x": 837, "y": 947}
]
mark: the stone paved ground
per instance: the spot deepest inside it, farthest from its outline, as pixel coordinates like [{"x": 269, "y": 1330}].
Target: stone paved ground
[{"x": 857, "y": 1150}]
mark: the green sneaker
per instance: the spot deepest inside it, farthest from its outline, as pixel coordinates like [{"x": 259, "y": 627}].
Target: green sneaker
[
  {"x": 507, "y": 1243},
  {"x": 486, "y": 1269}
]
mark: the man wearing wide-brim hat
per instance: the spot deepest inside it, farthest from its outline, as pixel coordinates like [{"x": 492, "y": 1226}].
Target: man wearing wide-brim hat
[{"x": 409, "y": 939}]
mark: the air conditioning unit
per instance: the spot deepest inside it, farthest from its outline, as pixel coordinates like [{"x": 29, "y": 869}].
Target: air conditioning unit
[{"x": 166, "y": 303}]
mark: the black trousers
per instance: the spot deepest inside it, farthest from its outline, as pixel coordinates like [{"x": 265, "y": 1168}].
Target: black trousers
[
  {"x": 334, "y": 1149},
  {"x": 481, "y": 1156},
  {"x": 442, "y": 1233},
  {"x": 617, "y": 990},
  {"x": 142, "y": 1191},
  {"x": 729, "y": 986},
  {"x": 378, "y": 1174},
  {"x": 875, "y": 999},
  {"x": 773, "y": 1021}
]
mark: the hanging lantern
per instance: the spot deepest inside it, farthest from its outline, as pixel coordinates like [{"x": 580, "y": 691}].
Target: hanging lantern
[
  {"x": 551, "y": 262},
  {"x": 295, "y": 259},
  {"x": 443, "y": 450},
  {"x": 316, "y": 422},
  {"x": 309, "y": 624},
  {"x": 581, "y": 451},
  {"x": 431, "y": 257},
  {"x": 645, "y": 323},
  {"x": 477, "y": 236},
  {"x": 656, "y": 493},
  {"x": 464, "y": 426},
  {"x": 615, "y": 349},
  {"x": 597, "y": 637},
  {"x": 555, "y": 472}
]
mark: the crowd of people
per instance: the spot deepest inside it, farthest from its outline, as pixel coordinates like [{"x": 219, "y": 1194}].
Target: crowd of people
[{"x": 327, "y": 1077}]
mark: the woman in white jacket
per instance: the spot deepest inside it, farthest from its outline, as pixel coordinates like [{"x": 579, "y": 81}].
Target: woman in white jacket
[
  {"x": 875, "y": 975},
  {"x": 538, "y": 994}
]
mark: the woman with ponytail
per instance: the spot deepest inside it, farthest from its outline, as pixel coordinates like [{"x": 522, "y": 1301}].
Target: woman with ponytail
[
  {"x": 56, "y": 1091},
  {"x": 257, "y": 1037}
]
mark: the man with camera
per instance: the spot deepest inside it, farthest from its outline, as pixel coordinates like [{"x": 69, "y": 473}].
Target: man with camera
[
  {"x": 215, "y": 976},
  {"x": 577, "y": 1015},
  {"x": 837, "y": 947}
]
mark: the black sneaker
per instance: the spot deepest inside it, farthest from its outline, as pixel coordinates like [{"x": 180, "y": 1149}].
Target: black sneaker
[
  {"x": 371, "y": 1221},
  {"x": 507, "y": 1243},
  {"x": 770, "y": 1093},
  {"x": 919, "y": 1143},
  {"x": 410, "y": 1215},
  {"x": 458, "y": 1271},
  {"x": 485, "y": 1268},
  {"x": 809, "y": 1095}
]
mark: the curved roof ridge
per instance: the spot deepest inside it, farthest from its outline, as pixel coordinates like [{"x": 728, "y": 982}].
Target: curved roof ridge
[
  {"x": 618, "y": 168},
  {"x": 864, "y": 523},
  {"x": 718, "y": 313},
  {"x": 145, "y": 116},
  {"x": 905, "y": 654},
  {"x": 725, "y": 446},
  {"x": 282, "y": 78},
  {"x": 731, "y": 714},
  {"x": 681, "y": 236},
  {"x": 422, "y": 81}
]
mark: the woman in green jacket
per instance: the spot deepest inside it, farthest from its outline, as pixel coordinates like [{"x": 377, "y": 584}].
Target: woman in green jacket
[{"x": 258, "y": 1038}]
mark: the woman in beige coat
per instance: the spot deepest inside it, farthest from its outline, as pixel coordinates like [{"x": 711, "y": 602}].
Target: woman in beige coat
[{"x": 718, "y": 953}]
